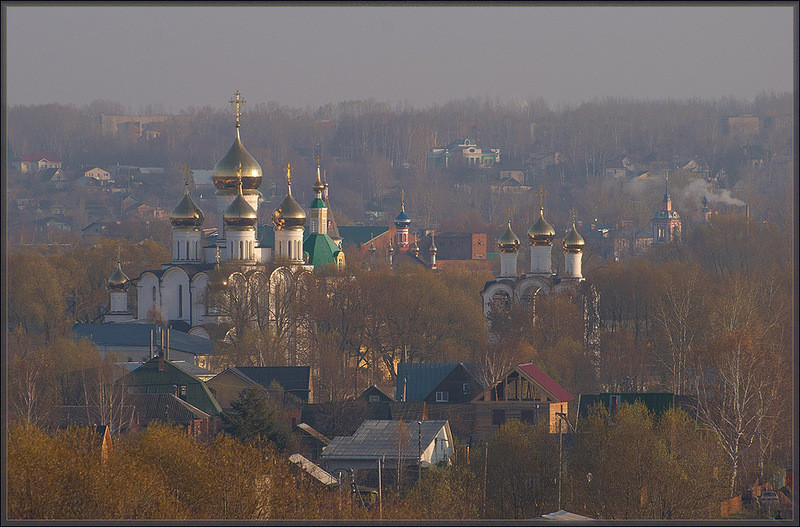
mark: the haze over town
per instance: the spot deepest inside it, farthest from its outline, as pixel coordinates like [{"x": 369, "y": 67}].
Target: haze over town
[
  {"x": 446, "y": 262},
  {"x": 182, "y": 56}
]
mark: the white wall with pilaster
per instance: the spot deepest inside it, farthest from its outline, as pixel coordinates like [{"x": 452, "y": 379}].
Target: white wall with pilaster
[
  {"x": 541, "y": 259},
  {"x": 148, "y": 293}
]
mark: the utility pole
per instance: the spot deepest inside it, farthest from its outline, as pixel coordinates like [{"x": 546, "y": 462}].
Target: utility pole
[
  {"x": 380, "y": 487},
  {"x": 485, "y": 464},
  {"x": 561, "y": 417},
  {"x": 560, "y": 463},
  {"x": 419, "y": 452}
]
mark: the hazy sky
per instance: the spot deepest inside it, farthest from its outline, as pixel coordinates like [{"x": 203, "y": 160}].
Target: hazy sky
[{"x": 195, "y": 56}]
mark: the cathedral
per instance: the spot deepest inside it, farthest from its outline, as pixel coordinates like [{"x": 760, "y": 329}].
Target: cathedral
[{"x": 178, "y": 292}]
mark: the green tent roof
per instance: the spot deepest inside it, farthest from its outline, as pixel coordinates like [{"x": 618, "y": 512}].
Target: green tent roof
[
  {"x": 321, "y": 249},
  {"x": 318, "y": 203}
]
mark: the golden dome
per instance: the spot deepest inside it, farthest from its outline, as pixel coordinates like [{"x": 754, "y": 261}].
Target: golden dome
[
  {"x": 186, "y": 213},
  {"x": 541, "y": 232},
  {"x": 289, "y": 215},
  {"x": 118, "y": 280},
  {"x": 225, "y": 177},
  {"x": 508, "y": 241},
  {"x": 573, "y": 241},
  {"x": 240, "y": 215}
]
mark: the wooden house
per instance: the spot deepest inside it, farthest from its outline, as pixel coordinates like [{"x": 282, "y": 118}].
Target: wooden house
[
  {"x": 310, "y": 442},
  {"x": 436, "y": 382},
  {"x": 162, "y": 376},
  {"x": 294, "y": 380},
  {"x": 373, "y": 394},
  {"x": 525, "y": 393}
]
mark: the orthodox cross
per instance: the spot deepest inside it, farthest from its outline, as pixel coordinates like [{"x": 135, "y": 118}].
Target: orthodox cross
[
  {"x": 542, "y": 192},
  {"x": 236, "y": 101},
  {"x": 187, "y": 172},
  {"x": 217, "y": 253},
  {"x": 403, "y": 200},
  {"x": 119, "y": 252},
  {"x": 318, "y": 158},
  {"x": 289, "y": 175},
  {"x": 509, "y": 210},
  {"x": 572, "y": 214}
]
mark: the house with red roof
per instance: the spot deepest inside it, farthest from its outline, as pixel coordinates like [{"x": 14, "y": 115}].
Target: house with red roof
[
  {"x": 525, "y": 393},
  {"x": 39, "y": 161}
]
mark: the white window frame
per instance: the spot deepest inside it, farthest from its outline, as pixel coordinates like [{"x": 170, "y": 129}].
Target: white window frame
[{"x": 442, "y": 397}]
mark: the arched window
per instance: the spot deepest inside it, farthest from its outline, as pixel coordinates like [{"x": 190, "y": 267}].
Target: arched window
[
  {"x": 180, "y": 300},
  {"x": 154, "y": 295},
  {"x": 501, "y": 299},
  {"x": 187, "y": 249}
]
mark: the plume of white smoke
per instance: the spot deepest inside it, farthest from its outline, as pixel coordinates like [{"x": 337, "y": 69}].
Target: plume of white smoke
[{"x": 697, "y": 188}]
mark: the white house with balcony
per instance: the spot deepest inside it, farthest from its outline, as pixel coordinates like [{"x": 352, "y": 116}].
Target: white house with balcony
[{"x": 471, "y": 153}]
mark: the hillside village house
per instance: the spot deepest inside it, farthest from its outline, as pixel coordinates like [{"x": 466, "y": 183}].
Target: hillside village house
[
  {"x": 55, "y": 178},
  {"x": 39, "y": 161},
  {"x": 525, "y": 393},
  {"x": 403, "y": 444},
  {"x": 472, "y": 154},
  {"x": 97, "y": 173}
]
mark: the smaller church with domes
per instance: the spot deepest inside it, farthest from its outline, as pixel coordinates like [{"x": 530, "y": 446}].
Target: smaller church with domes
[{"x": 541, "y": 279}]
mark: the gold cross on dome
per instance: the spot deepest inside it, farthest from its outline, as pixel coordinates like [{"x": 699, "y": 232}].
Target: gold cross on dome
[
  {"x": 217, "y": 254},
  {"x": 236, "y": 101},
  {"x": 572, "y": 214},
  {"x": 318, "y": 158},
  {"x": 187, "y": 172},
  {"x": 542, "y": 192},
  {"x": 119, "y": 254},
  {"x": 509, "y": 210}
]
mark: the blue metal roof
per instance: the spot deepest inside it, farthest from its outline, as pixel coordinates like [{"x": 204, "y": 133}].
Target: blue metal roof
[
  {"x": 136, "y": 334},
  {"x": 422, "y": 378},
  {"x": 385, "y": 438}
]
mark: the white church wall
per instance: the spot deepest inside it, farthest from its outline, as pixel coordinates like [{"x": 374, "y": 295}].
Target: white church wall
[
  {"x": 148, "y": 292},
  {"x": 175, "y": 294}
]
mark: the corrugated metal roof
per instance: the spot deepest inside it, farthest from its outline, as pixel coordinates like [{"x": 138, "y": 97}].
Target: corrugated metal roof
[
  {"x": 546, "y": 382},
  {"x": 392, "y": 439},
  {"x": 313, "y": 469},
  {"x": 136, "y": 334},
  {"x": 313, "y": 433},
  {"x": 164, "y": 407}
]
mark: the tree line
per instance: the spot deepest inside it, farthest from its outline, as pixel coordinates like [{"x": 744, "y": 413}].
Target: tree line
[
  {"x": 371, "y": 148},
  {"x": 163, "y": 473}
]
